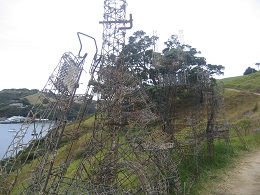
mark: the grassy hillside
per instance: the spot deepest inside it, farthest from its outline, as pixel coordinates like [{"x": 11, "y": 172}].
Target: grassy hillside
[
  {"x": 240, "y": 104},
  {"x": 249, "y": 82},
  {"x": 18, "y": 102},
  {"x": 32, "y": 98},
  {"x": 14, "y": 102},
  {"x": 241, "y": 109},
  {"x": 242, "y": 99}
]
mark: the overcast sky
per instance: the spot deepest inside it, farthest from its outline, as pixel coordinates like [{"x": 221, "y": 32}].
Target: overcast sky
[{"x": 35, "y": 33}]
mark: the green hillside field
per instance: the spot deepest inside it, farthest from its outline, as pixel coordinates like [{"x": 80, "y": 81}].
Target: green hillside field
[
  {"x": 241, "y": 109},
  {"x": 250, "y": 82},
  {"x": 242, "y": 100}
]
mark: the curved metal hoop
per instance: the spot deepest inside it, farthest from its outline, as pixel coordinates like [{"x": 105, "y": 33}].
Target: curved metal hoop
[{"x": 80, "y": 33}]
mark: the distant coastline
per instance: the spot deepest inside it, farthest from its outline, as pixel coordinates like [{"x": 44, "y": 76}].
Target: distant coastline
[
  {"x": 8, "y": 122},
  {"x": 18, "y": 119}
]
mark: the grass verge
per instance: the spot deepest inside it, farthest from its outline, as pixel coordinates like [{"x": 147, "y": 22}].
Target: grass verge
[{"x": 225, "y": 158}]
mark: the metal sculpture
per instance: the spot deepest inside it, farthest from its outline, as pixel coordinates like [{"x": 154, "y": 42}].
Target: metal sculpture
[
  {"x": 59, "y": 93},
  {"x": 124, "y": 153},
  {"x": 118, "y": 156}
]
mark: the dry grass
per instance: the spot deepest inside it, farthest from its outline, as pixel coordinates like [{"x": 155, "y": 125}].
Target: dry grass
[
  {"x": 33, "y": 98},
  {"x": 241, "y": 104}
]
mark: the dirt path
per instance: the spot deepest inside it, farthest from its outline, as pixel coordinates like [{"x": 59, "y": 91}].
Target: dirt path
[
  {"x": 242, "y": 91},
  {"x": 243, "y": 179}
]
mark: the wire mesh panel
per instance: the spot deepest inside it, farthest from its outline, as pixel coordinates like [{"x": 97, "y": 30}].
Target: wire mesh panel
[
  {"x": 126, "y": 152},
  {"x": 115, "y": 155},
  {"x": 48, "y": 118}
]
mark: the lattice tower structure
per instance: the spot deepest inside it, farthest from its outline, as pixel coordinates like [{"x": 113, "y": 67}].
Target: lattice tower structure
[
  {"x": 118, "y": 159},
  {"x": 39, "y": 154},
  {"x": 113, "y": 29},
  {"x": 197, "y": 118},
  {"x": 122, "y": 156},
  {"x": 207, "y": 118},
  {"x": 172, "y": 78},
  {"x": 181, "y": 37}
]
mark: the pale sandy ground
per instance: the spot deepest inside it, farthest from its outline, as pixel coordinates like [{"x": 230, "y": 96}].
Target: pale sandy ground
[{"x": 243, "y": 179}]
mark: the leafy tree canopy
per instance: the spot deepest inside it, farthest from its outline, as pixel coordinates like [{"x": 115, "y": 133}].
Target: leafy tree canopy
[
  {"x": 175, "y": 58},
  {"x": 139, "y": 54},
  {"x": 249, "y": 70}
]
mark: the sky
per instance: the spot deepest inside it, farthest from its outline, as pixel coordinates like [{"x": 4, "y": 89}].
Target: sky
[{"x": 35, "y": 33}]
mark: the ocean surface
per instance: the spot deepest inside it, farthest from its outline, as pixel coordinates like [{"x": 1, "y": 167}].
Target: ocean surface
[{"x": 8, "y": 131}]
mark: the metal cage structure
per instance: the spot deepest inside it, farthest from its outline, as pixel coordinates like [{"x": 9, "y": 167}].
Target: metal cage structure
[{"x": 124, "y": 152}]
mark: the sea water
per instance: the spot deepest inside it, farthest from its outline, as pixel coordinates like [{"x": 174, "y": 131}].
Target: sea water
[{"x": 8, "y": 132}]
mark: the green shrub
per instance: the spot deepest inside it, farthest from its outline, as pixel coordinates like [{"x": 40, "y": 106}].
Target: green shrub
[
  {"x": 255, "y": 109},
  {"x": 79, "y": 153},
  {"x": 244, "y": 124}
]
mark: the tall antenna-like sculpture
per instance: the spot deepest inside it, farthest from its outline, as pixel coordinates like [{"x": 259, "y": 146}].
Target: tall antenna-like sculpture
[
  {"x": 32, "y": 167},
  {"x": 114, "y": 26},
  {"x": 121, "y": 156},
  {"x": 59, "y": 92}
]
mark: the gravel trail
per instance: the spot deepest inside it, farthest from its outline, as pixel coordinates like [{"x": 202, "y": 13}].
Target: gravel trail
[{"x": 243, "y": 179}]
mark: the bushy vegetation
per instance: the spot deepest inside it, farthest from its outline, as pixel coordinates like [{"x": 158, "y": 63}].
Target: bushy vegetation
[
  {"x": 15, "y": 96},
  {"x": 249, "y": 70},
  {"x": 175, "y": 58},
  {"x": 27, "y": 98},
  {"x": 225, "y": 158}
]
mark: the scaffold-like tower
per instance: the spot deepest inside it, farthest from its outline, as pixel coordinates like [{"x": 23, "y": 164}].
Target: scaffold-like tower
[
  {"x": 121, "y": 156},
  {"x": 38, "y": 155},
  {"x": 135, "y": 145}
]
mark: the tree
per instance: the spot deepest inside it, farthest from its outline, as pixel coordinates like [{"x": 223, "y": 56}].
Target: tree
[
  {"x": 177, "y": 83},
  {"x": 250, "y": 70},
  {"x": 138, "y": 54},
  {"x": 175, "y": 57},
  {"x": 25, "y": 101},
  {"x": 185, "y": 58},
  {"x": 177, "y": 63}
]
